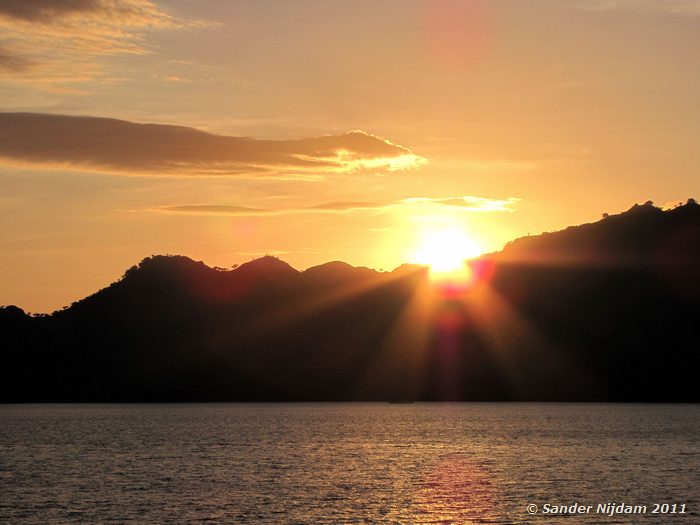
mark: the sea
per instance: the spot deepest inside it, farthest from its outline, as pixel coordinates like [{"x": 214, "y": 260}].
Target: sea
[{"x": 334, "y": 463}]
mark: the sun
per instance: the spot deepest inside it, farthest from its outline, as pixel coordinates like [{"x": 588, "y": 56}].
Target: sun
[{"x": 446, "y": 251}]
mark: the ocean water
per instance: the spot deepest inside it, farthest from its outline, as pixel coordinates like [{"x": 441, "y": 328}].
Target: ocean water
[{"x": 347, "y": 463}]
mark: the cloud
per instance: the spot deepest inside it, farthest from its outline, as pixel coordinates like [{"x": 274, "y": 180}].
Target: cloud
[
  {"x": 470, "y": 203},
  {"x": 119, "y": 146},
  {"x": 214, "y": 209},
  {"x": 350, "y": 206},
  {"x": 50, "y": 39},
  {"x": 667, "y": 7},
  {"x": 45, "y": 10},
  {"x": 13, "y": 64},
  {"x": 176, "y": 78},
  {"x": 235, "y": 210},
  {"x": 467, "y": 203}
]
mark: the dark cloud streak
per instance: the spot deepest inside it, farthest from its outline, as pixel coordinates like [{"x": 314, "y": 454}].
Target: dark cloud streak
[
  {"x": 14, "y": 63},
  {"x": 132, "y": 148},
  {"x": 214, "y": 209},
  {"x": 46, "y": 10}
]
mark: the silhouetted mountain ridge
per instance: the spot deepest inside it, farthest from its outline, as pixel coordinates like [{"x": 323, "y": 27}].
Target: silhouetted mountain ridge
[
  {"x": 601, "y": 311},
  {"x": 641, "y": 228}
]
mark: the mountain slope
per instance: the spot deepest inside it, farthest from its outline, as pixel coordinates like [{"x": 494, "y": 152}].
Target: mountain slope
[{"x": 602, "y": 311}]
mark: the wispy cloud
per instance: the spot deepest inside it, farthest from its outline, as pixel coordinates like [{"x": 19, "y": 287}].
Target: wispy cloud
[
  {"x": 467, "y": 203},
  {"x": 55, "y": 44},
  {"x": 349, "y": 206},
  {"x": 13, "y": 64},
  {"x": 214, "y": 209},
  {"x": 119, "y": 146},
  {"x": 46, "y": 10},
  {"x": 470, "y": 203}
]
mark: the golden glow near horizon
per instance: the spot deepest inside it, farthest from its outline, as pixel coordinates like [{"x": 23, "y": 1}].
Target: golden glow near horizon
[{"x": 280, "y": 131}]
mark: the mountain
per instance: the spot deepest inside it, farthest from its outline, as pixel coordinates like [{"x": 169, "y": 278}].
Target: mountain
[{"x": 607, "y": 311}]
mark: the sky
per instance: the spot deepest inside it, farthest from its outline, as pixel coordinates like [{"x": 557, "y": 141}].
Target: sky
[{"x": 316, "y": 131}]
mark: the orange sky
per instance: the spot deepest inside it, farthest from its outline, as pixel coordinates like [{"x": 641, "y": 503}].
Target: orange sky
[{"x": 321, "y": 131}]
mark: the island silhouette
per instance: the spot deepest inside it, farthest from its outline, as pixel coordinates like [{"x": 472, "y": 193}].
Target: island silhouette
[{"x": 606, "y": 311}]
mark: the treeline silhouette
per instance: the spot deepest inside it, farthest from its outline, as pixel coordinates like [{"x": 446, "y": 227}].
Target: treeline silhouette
[{"x": 607, "y": 311}]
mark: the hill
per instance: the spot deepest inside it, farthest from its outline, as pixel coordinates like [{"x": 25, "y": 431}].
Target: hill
[{"x": 606, "y": 311}]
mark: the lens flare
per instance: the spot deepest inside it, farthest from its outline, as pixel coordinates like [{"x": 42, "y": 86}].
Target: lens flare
[{"x": 446, "y": 252}]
